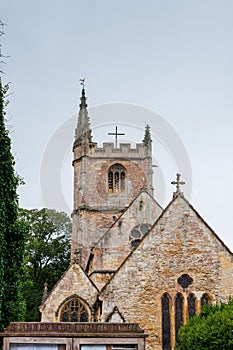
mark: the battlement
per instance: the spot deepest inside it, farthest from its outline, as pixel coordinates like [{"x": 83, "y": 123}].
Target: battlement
[{"x": 124, "y": 150}]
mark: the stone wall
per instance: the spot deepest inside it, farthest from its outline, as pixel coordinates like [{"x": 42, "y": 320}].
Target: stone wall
[
  {"x": 180, "y": 243},
  {"x": 73, "y": 282},
  {"x": 115, "y": 245},
  {"x": 95, "y": 207},
  {"x": 88, "y": 227}
]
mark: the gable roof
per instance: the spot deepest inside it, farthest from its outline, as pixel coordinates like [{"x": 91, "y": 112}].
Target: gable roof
[
  {"x": 125, "y": 210},
  {"x": 174, "y": 199},
  {"x": 65, "y": 276},
  {"x": 207, "y": 225},
  {"x": 116, "y": 244}
]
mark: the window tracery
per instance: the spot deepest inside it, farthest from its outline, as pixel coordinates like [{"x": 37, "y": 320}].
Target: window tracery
[
  {"x": 116, "y": 178},
  {"x": 74, "y": 311},
  {"x": 183, "y": 306},
  {"x": 185, "y": 281},
  {"x": 137, "y": 233}
]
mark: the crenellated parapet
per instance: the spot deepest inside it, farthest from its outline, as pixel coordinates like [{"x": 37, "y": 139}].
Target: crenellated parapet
[{"x": 124, "y": 150}]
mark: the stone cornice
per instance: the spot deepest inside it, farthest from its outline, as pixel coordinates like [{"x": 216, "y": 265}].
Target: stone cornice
[{"x": 73, "y": 329}]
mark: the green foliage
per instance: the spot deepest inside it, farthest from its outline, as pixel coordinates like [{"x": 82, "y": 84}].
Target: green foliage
[
  {"x": 212, "y": 329},
  {"x": 48, "y": 254},
  {"x": 12, "y": 232}
]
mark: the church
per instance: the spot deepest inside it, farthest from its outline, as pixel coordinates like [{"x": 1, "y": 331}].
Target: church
[{"x": 132, "y": 260}]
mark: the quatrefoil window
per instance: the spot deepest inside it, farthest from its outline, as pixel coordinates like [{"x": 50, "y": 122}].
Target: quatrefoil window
[{"x": 185, "y": 281}]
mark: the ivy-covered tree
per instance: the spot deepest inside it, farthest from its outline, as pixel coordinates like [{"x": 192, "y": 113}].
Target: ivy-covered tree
[
  {"x": 48, "y": 254},
  {"x": 212, "y": 329},
  {"x": 12, "y": 231}
]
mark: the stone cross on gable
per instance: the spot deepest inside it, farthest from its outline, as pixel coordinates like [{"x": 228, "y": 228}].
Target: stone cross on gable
[
  {"x": 178, "y": 183},
  {"x": 115, "y": 134}
]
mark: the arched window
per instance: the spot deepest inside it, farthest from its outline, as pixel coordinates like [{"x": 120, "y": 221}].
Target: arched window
[
  {"x": 166, "y": 324},
  {"x": 110, "y": 180},
  {"x": 122, "y": 181},
  {"x": 204, "y": 300},
  {"x": 191, "y": 305},
  {"x": 74, "y": 311},
  {"x": 116, "y": 178},
  {"x": 178, "y": 314}
]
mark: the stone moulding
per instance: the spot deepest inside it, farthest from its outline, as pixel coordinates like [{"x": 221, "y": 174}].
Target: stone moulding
[{"x": 73, "y": 329}]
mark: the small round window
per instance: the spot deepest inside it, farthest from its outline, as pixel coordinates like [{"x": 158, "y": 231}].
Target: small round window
[{"x": 137, "y": 233}]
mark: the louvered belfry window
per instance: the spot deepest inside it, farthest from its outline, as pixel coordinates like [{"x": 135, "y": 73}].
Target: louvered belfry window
[{"x": 116, "y": 178}]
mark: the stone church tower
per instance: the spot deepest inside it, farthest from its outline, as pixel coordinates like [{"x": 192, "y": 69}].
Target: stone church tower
[
  {"x": 106, "y": 180},
  {"x": 135, "y": 261}
]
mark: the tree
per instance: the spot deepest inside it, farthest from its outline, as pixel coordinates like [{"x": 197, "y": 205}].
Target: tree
[
  {"x": 48, "y": 254},
  {"x": 212, "y": 329},
  {"x": 12, "y": 231}
]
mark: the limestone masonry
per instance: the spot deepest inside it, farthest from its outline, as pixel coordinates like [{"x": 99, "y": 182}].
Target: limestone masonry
[{"x": 131, "y": 260}]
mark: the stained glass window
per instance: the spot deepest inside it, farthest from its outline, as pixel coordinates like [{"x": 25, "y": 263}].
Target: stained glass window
[
  {"x": 178, "y": 314},
  {"x": 166, "y": 325},
  {"x": 204, "y": 300},
  {"x": 191, "y": 305},
  {"x": 185, "y": 281},
  {"x": 74, "y": 311}
]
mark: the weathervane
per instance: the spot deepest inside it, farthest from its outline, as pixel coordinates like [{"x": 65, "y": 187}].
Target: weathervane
[
  {"x": 82, "y": 82},
  {"x": 178, "y": 183}
]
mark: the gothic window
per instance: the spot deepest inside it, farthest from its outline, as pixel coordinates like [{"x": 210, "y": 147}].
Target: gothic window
[
  {"x": 137, "y": 233},
  {"x": 110, "y": 180},
  {"x": 166, "y": 324},
  {"x": 74, "y": 311},
  {"x": 178, "y": 314},
  {"x": 116, "y": 181},
  {"x": 122, "y": 181},
  {"x": 185, "y": 281},
  {"x": 191, "y": 305},
  {"x": 204, "y": 300},
  {"x": 116, "y": 178}
]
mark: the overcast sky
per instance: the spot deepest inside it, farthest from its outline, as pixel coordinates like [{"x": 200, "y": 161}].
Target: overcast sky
[{"x": 172, "y": 58}]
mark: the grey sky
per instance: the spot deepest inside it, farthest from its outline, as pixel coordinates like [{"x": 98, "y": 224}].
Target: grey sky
[{"x": 172, "y": 57}]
